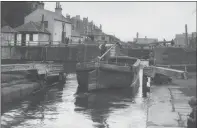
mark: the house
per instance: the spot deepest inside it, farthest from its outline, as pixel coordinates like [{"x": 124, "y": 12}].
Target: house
[
  {"x": 145, "y": 40},
  {"x": 101, "y": 38},
  {"x": 180, "y": 39},
  {"x": 58, "y": 25},
  {"x": 84, "y": 27},
  {"x": 76, "y": 37},
  {"x": 192, "y": 40},
  {"x": 8, "y": 35},
  {"x": 33, "y": 33}
]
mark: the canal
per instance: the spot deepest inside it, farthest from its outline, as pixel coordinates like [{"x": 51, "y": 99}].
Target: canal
[{"x": 61, "y": 107}]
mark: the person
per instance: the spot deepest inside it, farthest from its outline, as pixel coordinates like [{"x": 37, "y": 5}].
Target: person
[
  {"x": 103, "y": 49},
  {"x": 144, "y": 86},
  {"x": 191, "y": 121}
]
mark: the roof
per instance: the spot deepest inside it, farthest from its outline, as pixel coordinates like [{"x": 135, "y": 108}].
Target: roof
[
  {"x": 32, "y": 27},
  {"x": 75, "y": 34},
  {"x": 59, "y": 17},
  {"x": 8, "y": 29},
  {"x": 54, "y": 15}
]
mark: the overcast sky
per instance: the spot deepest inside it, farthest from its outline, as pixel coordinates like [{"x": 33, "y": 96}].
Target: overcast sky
[{"x": 124, "y": 19}]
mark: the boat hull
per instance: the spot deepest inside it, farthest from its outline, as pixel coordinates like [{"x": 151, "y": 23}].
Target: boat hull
[{"x": 108, "y": 76}]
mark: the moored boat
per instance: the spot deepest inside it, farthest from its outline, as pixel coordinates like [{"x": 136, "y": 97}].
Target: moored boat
[{"x": 115, "y": 72}]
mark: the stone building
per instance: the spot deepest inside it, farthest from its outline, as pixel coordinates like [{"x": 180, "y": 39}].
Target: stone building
[
  {"x": 84, "y": 27},
  {"x": 33, "y": 33},
  {"x": 76, "y": 37},
  {"x": 180, "y": 40},
  {"x": 58, "y": 25}
]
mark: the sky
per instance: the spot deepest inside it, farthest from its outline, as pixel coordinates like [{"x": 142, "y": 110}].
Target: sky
[{"x": 161, "y": 20}]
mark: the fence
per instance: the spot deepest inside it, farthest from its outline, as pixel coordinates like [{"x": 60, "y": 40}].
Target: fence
[{"x": 41, "y": 43}]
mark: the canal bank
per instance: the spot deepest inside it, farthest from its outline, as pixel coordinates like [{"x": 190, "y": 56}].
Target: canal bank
[
  {"x": 21, "y": 80},
  {"x": 168, "y": 104}
]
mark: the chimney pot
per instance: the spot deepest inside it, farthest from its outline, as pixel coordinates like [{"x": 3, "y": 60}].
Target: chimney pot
[
  {"x": 58, "y": 8},
  {"x": 40, "y": 5},
  {"x": 68, "y": 16},
  {"x": 78, "y": 17}
]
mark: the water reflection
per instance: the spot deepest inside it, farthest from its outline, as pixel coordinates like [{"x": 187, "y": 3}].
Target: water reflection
[
  {"x": 99, "y": 105},
  {"x": 61, "y": 107}
]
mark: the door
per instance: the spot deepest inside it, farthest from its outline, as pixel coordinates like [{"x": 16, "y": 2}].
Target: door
[
  {"x": 23, "y": 43},
  {"x": 15, "y": 39}
]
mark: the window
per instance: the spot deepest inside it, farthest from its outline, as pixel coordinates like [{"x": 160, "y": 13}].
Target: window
[
  {"x": 45, "y": 24},
  {"x": 73, "y": 27},
  {"x": 31, "y": 37},
  {"x": 103, "y": 38},
  {"x": 78, "y": 24}
]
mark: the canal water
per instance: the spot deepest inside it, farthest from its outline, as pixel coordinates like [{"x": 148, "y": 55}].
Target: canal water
[{"x": 61, "y": 107}]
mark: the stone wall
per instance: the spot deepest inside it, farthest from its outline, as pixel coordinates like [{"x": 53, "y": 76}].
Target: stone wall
[
  {"x": 169, "y": 56},
  {"x": 61, "y": 54},
  {"x": 81, "y": 53}
]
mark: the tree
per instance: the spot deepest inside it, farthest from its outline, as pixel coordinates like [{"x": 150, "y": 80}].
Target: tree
[{"x": 13, "y": 13}]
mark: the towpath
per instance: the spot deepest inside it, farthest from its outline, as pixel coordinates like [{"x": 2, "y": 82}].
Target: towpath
[{"x": 168, "y": 104}]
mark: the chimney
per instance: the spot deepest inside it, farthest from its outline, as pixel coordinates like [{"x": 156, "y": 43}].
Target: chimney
[
  {"x": 68, "y": 16},
  {"x": 42, "y": 23},
  {"x": 78, "y": 17},
  {"x": 186, "y": 35},
  {"x": 40, "y": 5},
  {"x": 100, "y": 27},
  {"x": 137, "y": 35},
  {"x": 58, "y": 8}
]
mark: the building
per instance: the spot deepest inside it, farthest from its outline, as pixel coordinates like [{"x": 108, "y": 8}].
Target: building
[
  {"x": 76, "y": 37},
  {"x": 58, "y": 25},
  {"x": 33, "y": 33},
  {"x": 145, "y": 40},
  {"x": 77, "y": 24},
  {"x": 101, "y": 38},
  {"x": 180, "y": 40},
  {"x": 8, "y": 36},
  {"x": 192, "y": 40},
  {"x": 84, "y": 27}
]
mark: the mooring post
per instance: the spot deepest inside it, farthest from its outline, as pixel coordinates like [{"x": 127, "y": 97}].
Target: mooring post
[
  {"x": 144, "y": 85},
  {"x": 185, "y": 68},
  {"x": 185, "y": 73}
]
